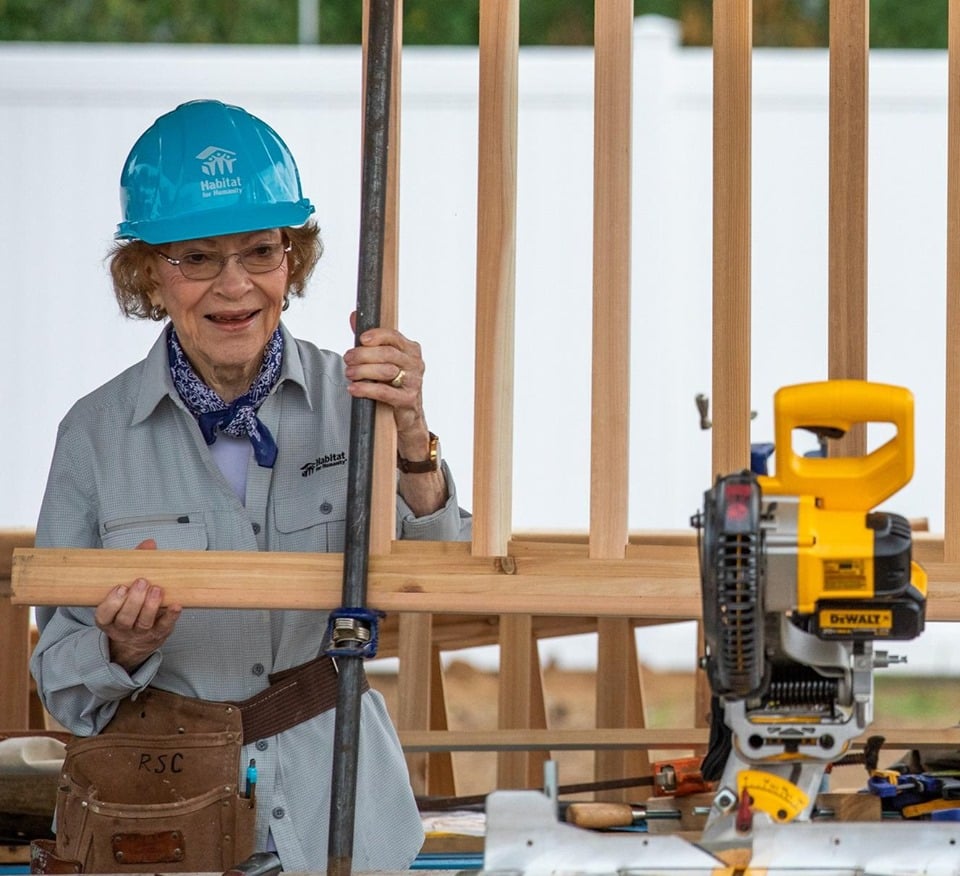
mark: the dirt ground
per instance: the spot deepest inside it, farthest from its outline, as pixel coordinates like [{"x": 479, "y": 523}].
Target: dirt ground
[{"x": 471, "y": 693}]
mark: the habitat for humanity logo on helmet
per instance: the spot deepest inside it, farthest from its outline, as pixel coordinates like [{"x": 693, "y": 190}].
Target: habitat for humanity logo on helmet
[{"x": 217, "y": 164}]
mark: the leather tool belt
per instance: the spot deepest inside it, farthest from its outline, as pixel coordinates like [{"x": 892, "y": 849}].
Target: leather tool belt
[
  {"x": 157, "y": 788},
  {"x": 294, "y": 696}
]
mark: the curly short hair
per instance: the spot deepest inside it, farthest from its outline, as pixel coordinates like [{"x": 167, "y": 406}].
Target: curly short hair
[{"x": 133, "y": 281}]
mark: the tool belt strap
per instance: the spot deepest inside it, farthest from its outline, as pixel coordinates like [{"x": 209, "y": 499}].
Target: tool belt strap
[{"x": 294, "y": 696}]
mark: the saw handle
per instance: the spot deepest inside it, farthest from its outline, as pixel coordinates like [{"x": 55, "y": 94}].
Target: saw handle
[{"x": 842, "y": 483}]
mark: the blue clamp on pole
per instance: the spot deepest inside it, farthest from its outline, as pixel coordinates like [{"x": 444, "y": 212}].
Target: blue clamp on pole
[{"x": 353, "y": 632}]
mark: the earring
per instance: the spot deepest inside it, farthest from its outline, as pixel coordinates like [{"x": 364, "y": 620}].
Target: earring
[
  {"x": 157, "y": 313},
  {"x": 286, "y": 302}
]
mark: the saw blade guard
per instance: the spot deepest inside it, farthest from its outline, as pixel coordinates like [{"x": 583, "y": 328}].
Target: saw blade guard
[{"x": 732, "y": 570}]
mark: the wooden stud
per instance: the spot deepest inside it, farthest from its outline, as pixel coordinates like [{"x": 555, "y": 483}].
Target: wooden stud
[
  {"x": 414, "y": 685},
  {"x": 496, "y": 276},
  {"x": 732, "y": 152},
  {"x": 536, "y": 760},
  {"x": 610, "y": 403},
  {"x": 619, "y": 703},
  {"x": 513, "y": 700},
  {"x": 732, "y": 45},
  {"x": 452, "y": 632},
  {"x": 663, "y": 738},
  {"x": 851, "y": 806},
  {"x": 441, "y": 779},
  {"x": 432, "y": 576},
  {"x": 650, "y": 582},
  {"x": 951, "y": 543},
  {"x": 847, "y": 338},
  {"x": 383, "y": 525},
  {"x": 15, "y": 636},
  {"x": 10, "y": 540}
]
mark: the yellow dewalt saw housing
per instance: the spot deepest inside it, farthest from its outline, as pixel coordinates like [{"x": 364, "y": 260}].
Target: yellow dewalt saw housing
[{"x": 854, "y": 576}]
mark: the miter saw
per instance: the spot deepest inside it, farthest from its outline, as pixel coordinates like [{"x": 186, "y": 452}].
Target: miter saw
[{"x": 801, "y": 578}]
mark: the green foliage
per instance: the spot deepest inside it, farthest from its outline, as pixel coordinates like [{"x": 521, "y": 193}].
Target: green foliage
[
  {"x": 154, "y": 21},
  {"x": 919, "y": 24},
  {"x": 440, "y": 22},
  {"x": 893, "y": 23}
]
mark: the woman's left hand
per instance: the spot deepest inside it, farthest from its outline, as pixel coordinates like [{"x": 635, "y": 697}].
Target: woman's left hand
[{"x": 388, "y": 367}]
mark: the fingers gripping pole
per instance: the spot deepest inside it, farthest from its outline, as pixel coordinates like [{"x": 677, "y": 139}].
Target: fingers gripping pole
[{"x": 357, "y": 541}]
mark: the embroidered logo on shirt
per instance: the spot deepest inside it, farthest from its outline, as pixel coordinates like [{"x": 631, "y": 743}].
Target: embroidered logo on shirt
[{"x": 327, "y": 461}]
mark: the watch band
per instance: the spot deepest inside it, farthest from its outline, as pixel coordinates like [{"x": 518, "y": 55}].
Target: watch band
[{"x": 431, "y": 463}]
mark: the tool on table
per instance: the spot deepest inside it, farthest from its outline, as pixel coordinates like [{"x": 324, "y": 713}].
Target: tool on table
[
  {"x": 605, "y": 816},
  {"x": 800, "y": 578},
  {"x": 679, "y": 777},
  {"x": 258, "y": 864}
]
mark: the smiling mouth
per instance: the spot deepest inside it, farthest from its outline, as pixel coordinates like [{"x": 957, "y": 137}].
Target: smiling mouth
[{"x": 228, "y": 318}]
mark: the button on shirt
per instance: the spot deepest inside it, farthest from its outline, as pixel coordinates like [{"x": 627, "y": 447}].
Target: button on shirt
[{"x": 130, "y": 464}]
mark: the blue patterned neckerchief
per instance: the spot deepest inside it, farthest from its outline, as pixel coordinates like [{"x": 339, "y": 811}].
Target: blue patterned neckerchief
[{"x": 240, "y": 416}]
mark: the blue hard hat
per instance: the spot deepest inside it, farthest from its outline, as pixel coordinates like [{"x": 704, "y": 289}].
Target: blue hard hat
[{"x": 205, "y": 169}]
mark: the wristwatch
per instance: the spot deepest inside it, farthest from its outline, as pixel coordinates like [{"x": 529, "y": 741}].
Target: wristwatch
[{"x": 431, "y": 463}]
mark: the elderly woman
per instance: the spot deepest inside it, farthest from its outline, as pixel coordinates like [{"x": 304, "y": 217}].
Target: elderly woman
[{"x": 231, "y": 435}]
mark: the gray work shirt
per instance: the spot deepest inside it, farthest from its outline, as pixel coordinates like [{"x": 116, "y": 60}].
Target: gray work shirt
[{"x": 130, "y": 463}]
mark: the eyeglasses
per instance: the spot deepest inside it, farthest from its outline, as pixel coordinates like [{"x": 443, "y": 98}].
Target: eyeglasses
[{"x": 259, "y": 259}]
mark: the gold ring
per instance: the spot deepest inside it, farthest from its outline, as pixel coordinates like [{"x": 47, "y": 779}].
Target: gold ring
[{"x": 397, "y": 381}]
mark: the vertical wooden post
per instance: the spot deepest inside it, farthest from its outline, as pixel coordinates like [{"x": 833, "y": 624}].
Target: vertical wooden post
[
  {"x": 610, "y": 415},
  {"x": 414, "y": 688},
  {"x": 496, "y": 276},
  {"x": 732, "y": 152},
  {"x": 619, "y": 703},
  {"x": 441, "y": 779},
  {"x": 383, "y": 517},
  {"x": 732, "y": 90},
  {"x": 847, "y": 343},
  {"x": 951, "y": 534},
  {"x": 610, "y": 402},
  {"x": 414, "y": 681},
  {"x": 15, "y": 636},
  {"x": 517, "y": 668},
  {"x": 493, "y": 393}
]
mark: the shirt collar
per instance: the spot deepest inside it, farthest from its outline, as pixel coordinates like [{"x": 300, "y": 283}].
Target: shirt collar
[{"x": 156, "y": 383}]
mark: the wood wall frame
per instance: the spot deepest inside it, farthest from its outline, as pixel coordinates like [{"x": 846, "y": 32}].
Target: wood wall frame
[{"x": 609, "y": 580}]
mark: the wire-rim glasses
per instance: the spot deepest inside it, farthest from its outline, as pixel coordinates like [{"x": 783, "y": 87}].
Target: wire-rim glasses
[{"x": 259, "y": 259}]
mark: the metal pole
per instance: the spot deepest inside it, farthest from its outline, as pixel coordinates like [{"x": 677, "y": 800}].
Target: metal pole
[{"x": 343, "y": 788}]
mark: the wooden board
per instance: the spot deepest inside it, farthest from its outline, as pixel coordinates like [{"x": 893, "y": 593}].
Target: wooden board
[
  {"x": 650, "y": 582},
  {"x": 666, "y": 738}
]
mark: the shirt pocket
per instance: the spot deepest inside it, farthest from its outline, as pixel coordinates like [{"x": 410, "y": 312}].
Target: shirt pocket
[
  {"x": 171, "y": 532},
  {"x": 314, "y": 520}
]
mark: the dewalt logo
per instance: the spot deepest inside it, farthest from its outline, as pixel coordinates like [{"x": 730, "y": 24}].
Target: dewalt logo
[{"x": 849, "y": 620}]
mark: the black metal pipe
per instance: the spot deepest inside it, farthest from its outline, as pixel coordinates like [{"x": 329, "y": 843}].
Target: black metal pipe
[{"x": 343, "y": 789}]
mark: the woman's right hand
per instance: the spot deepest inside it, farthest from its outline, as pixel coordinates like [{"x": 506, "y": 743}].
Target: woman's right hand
[{"x": 135, "y": 620}]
